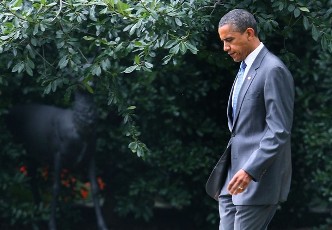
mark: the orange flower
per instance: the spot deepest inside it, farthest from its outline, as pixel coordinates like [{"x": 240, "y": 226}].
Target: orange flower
[
  {"x": 24, "y": 170},
  {"x": 65, "y": 183},
  {"x": 101, "y": 183},
  {"x": 73, "y": 180},
  {"x": 84, "y": 193}
]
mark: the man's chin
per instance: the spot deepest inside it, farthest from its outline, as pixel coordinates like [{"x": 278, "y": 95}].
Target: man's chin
[{"x": 235, "y": 57}]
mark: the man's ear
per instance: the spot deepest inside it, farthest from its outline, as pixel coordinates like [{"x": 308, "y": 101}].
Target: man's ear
[{"x": 250, "y": 33}]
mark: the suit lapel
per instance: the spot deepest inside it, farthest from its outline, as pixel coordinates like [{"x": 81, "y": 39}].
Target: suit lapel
[{"x": 247, "y": 82}]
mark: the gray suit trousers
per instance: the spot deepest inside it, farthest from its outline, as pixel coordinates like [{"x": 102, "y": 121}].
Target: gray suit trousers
[{"x": 244, "y": 217}]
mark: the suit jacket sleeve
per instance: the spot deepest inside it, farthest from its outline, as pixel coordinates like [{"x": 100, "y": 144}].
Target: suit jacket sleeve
[{"x": 279, "y": 100}]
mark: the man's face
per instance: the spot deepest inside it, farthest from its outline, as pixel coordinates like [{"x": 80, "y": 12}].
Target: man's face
[{"x": 236, "y": 44}]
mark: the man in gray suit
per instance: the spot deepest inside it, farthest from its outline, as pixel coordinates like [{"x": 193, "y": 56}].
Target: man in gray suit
[{"x": 260, "y": 116}]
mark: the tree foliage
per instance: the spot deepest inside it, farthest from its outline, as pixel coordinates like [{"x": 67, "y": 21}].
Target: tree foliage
[
  {"x": 59, "y": 43},
  {"x": 159, "y": 77}
]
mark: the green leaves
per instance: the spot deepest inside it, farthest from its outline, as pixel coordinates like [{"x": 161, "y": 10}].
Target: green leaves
[
  {"x": 145, "y": 28},
  {"x": 139, "y": 148},
  {"x": 191, "y": 47},
  {"x": 304, "y": 9},
  {"x": 19, "y": 67},
  {"x": 26, "y": 65},
  {"x": 63, "y": 62},
  {"x": 306, "y": 23},
  {"x": 178, "y": 22},
  {"x": 313, "y": 17},
  {"x": 131, "y": 68},
  {"x": 315, "y": 32}
]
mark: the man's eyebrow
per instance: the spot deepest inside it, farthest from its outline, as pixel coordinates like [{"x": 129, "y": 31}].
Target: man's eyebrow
[{"x": 227, "y": 38}]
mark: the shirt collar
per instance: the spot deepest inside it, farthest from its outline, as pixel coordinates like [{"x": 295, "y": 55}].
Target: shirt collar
[{"x": 252, "y": 56}]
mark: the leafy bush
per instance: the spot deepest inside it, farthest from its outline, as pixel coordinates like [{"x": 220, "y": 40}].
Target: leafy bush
[{"x": 161, "y": 85}]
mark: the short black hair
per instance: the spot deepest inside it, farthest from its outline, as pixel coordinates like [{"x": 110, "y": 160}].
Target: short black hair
[{"x": 240, "y": 20}]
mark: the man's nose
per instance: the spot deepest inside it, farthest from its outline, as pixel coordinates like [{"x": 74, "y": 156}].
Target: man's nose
[{"x": 226, "y": 47}]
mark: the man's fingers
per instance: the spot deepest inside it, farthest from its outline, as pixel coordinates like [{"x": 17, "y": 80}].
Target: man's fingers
[{"x": 239, "y": 182}]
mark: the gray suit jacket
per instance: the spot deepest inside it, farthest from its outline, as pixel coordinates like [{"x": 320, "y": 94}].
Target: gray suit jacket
[{"x": 261, "y": 130}]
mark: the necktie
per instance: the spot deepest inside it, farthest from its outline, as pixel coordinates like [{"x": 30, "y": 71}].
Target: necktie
[{"x": 238, "y": 84}]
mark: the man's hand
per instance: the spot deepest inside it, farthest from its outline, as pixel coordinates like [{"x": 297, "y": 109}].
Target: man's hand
[{"x": 239, "y": 182}]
